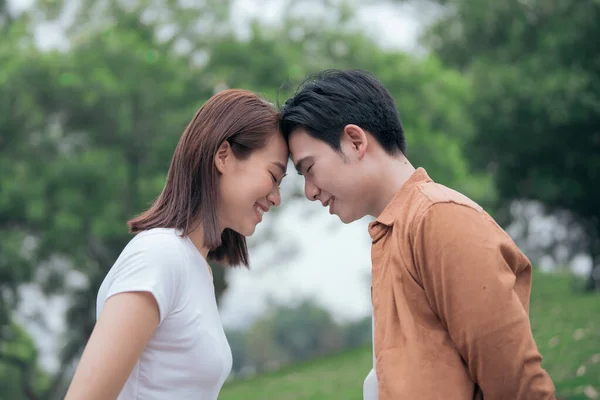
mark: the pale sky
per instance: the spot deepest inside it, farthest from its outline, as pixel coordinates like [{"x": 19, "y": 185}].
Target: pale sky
[{"x": 333, "y": 263}]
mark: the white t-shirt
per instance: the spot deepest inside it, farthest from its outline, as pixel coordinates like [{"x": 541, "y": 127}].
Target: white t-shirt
[
  {"x": 370, "y": 389},
  {"x": 188, "y": 356}
]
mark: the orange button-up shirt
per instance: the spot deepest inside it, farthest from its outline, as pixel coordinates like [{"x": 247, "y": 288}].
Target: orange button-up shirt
[{"x": 451, "y": 302}]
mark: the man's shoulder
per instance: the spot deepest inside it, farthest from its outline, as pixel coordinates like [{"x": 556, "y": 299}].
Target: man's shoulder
[
  {"x": 418, "y": 199},
  {"x": 435, "y": 193},
  {"x": 430, "y": 194}
]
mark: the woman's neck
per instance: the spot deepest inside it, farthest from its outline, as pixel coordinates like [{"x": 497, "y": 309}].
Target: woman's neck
[{"x": 197, "y": 238}]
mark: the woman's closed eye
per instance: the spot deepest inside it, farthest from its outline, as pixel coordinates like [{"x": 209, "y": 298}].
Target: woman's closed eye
[{"x": 275, "y": 180}]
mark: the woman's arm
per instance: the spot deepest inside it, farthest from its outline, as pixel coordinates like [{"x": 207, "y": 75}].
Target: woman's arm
[{"x": 125, "y": 326}]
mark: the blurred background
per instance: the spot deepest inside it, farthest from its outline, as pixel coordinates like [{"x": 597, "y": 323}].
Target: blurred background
[{"x": 499, "y": 99}]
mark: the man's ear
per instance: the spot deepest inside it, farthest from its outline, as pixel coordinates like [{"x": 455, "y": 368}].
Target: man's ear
[
  {"x": 356, "y": 139},
  {"x": 223, "y": 157}
]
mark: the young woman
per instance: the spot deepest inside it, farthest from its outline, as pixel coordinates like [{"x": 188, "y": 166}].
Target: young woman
[{"x": 158, "y": 333}]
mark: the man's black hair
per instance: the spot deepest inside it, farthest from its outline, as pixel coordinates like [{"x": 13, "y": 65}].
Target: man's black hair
[{"x": 328, "y": 101}]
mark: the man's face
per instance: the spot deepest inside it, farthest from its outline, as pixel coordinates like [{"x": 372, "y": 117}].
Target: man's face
[{"x": 337, "y": 180}]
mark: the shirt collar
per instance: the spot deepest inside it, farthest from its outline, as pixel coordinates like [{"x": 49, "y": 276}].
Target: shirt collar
[{"x": 388, "y": 214}]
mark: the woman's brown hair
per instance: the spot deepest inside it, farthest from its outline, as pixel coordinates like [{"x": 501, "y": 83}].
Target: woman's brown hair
[{"x": 191, "y": 193}]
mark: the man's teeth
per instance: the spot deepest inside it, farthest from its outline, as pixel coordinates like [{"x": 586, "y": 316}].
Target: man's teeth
[
  {"x": 329, "y": 202},
  {"x": 260, "y": 210}
]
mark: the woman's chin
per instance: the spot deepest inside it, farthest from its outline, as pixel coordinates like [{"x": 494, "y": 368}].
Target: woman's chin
[{"x": 247, "y": 230}]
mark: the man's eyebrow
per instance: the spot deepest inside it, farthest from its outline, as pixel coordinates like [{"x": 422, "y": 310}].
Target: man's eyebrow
[{"x": 299, "y": 165}]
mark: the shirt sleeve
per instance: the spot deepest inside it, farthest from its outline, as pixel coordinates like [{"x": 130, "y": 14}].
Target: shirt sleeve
[
  {"x": 154, "y": 264},
  {"x": 469, "y": 269}
]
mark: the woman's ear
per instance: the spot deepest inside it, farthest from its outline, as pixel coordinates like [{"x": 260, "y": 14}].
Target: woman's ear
[{"x": 224, "y": 156}]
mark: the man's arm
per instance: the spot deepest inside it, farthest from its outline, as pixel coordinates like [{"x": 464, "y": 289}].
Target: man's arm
[{"x": 466, "y": 264}]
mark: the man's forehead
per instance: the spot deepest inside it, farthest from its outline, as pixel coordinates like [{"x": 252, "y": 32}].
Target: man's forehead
[
  {"x": 297, "y": 153},
  {"x": 302, "y": 162},
  {"x": 302, "y": 145}
]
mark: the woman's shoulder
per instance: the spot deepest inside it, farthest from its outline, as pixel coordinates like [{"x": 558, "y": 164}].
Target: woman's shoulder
[
  {"x": 157, "y": 240},
  {"x": 153, "y": 261},
  {"x": 154, "y": 248}
]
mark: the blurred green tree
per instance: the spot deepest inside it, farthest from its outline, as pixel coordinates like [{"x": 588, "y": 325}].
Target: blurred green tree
[
  {"x": 306, "y": 330},
  {"x": 20, "y": 376},
  {"x": 87, "y": 131},
  {"x": 291, "y": 333},
  {"x": 535, "y": 73}
]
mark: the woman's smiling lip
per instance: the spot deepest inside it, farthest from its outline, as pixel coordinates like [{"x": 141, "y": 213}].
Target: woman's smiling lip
[{"x": 260, "y": 209}]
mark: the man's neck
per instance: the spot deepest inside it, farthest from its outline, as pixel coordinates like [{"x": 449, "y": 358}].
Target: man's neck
[{"x": 395, "y": 173}]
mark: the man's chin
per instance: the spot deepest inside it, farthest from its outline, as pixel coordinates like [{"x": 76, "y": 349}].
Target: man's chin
[{"x": 345, "y": 219}]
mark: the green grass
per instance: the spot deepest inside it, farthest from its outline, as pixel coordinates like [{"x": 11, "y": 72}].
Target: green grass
[
  {"x": 565, "y": 323},
  {"x": 336, "y": 377},
  {"x": 566, "y": 326}
]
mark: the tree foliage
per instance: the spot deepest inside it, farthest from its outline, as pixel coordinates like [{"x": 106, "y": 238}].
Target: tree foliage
[
  {"x": 535, "y": 73},
  {"x": 87, "y": 130}
]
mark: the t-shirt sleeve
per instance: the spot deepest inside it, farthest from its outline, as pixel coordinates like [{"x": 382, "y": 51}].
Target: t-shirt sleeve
[
  {"x": 154, "y": 264},
  {"x": 469, "y": 268}
]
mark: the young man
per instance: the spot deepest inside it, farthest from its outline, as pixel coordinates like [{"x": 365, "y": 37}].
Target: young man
[{"x": 450, "y": 289}]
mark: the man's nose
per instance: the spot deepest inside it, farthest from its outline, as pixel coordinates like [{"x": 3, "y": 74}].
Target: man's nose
[{"x": 311, "y": 190}]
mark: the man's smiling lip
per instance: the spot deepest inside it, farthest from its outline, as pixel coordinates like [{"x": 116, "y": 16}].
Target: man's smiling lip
[{"x": 328, "y": 202}]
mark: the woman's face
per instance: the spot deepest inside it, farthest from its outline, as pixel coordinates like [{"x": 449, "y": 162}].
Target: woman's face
[{"x": 248, "y": 188}]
